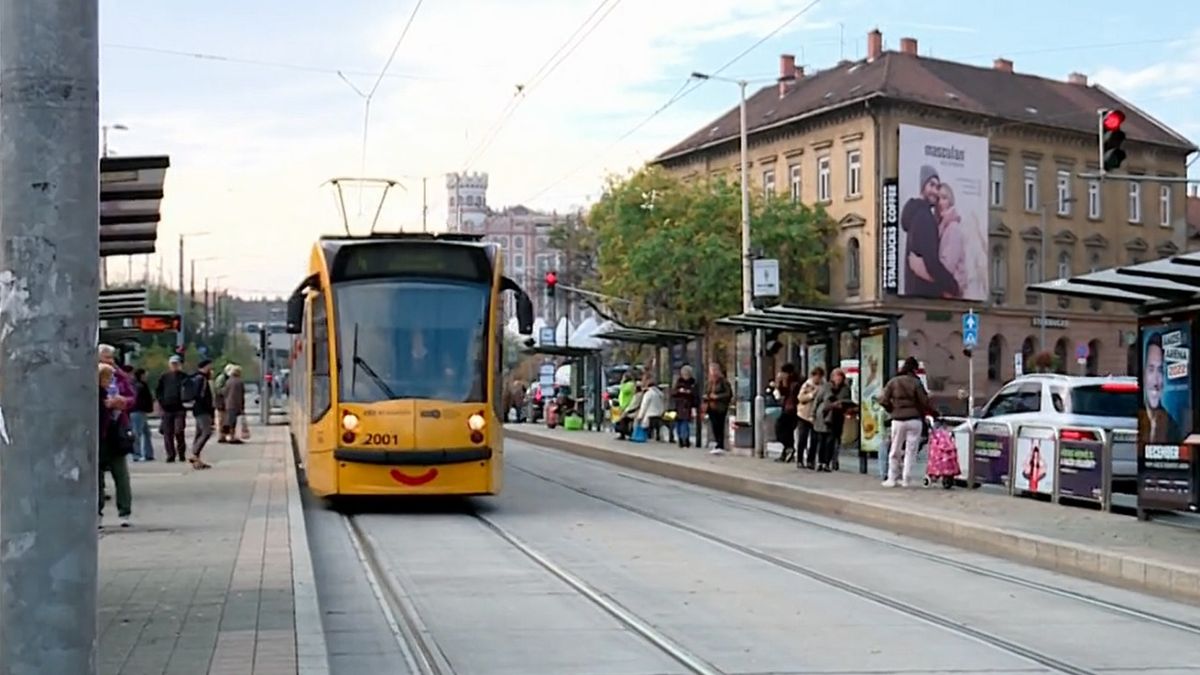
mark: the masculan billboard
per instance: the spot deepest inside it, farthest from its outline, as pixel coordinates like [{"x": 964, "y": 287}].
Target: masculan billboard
[{"x": 941, "y": 242}]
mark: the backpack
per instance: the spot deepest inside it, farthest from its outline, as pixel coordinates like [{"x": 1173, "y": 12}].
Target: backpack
[{"x": 189, "y": 388}]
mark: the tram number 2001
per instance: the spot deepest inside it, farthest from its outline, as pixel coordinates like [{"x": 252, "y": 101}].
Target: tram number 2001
[{"x": 382, "y": 439}]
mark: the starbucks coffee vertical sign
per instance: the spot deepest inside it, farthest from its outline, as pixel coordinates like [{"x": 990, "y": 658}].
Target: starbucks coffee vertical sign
[{"x": 890, "y": 235}]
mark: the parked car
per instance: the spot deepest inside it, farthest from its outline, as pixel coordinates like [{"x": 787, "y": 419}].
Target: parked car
[{"x": 1109, "y": 403}]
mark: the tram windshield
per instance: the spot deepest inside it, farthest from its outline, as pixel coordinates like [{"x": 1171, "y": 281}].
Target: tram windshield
[{"x": 410, "y": 339}]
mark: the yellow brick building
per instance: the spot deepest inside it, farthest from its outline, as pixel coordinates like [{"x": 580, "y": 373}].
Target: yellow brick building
[{"x": 832, "y": 138}]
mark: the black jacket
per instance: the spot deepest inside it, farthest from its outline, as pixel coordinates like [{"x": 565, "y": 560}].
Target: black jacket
[
  {"x": 205, "y": 402},
  {"x": 919, "y": 222}
]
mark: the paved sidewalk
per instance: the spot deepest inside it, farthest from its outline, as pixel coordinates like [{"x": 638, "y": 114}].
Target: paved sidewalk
[
  {"x": 1108, "y": 547},
  {"x": 203, "y": 581}
]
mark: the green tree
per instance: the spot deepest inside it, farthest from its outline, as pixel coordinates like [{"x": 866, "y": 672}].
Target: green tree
[
  {"x": 575, "y": 237},
  {"x": 674, "y": 247}
]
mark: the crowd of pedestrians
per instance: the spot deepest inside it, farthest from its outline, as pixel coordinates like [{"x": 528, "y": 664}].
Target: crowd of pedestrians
[
  {"x": 127, "y": 400},
  {"x": 812, "y": 414}
]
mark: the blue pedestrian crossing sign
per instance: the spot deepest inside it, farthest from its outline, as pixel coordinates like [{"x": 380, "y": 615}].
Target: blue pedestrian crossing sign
[{"x": 970, "y": 329}]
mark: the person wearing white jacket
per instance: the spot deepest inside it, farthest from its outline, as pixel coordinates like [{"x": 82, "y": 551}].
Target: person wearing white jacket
[{"x": 653, "y": 406}]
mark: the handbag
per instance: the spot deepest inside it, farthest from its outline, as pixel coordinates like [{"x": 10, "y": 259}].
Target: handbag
[{"x": 120, "y": 437}]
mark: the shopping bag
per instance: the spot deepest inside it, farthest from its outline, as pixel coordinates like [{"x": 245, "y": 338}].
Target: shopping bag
[
  {"x": 639, "y": 434},
  {"x": 245, "y": 430}
]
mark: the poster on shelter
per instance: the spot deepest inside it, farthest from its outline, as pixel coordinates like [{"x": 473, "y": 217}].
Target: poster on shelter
[
  {"x": 1165, "y": 473},
  {"x": 870, "y": 378},
  {"x": 941, "y": 247}
]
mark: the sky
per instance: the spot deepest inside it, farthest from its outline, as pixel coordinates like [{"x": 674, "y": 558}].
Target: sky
[{"x": 259, "y": 104}]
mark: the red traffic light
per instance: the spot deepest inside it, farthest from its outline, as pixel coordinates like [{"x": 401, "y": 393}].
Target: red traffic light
[
  {"x": 1113, "y": 120},
  {"x": 551, "y": 278}
]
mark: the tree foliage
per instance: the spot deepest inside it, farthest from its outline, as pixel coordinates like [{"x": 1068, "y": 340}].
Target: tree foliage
[
  {"x": 674, "y": 247},
  {"x": 576, "y": 239}
]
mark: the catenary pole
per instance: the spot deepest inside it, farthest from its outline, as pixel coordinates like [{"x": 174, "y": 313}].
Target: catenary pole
[{"x": 49, "y": 281}]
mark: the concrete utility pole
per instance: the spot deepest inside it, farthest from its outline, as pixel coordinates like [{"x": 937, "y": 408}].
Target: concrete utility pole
[{"x": 49, "y": 284}]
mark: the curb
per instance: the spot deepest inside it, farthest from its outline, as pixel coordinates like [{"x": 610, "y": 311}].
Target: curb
[
  {"x": 1149, "y": 576},
  {"x": 312, "y": 655}
]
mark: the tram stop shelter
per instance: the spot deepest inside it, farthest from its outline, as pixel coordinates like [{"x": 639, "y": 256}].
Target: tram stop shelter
[
  {"x": 587, "y": 378},
  {"x": 665, "y": 340},
  {"x": 1164, "y": 294},
  {"x": 813, "y": 338}
]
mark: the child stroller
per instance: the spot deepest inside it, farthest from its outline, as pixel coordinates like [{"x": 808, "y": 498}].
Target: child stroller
[{"x": 943, "y": 458}]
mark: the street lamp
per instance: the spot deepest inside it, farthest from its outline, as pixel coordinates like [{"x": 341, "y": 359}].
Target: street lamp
[
  {"x": 104, "y": 135},
  {"x": 747, "y": 271},
  {"x": 180, "y": 336}
]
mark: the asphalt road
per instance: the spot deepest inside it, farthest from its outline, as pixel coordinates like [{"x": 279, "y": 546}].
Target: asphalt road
[{"x": 582, "y": 568}]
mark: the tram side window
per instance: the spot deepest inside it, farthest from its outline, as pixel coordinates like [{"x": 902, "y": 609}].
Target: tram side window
[{"x": 320, "y": 355}]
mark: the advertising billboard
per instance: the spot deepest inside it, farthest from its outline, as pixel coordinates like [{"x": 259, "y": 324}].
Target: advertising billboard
[
  {"x": 1165, "y": 461},
  {"x": 870, "y": 377},
  {"x": 941, "y": 243}
]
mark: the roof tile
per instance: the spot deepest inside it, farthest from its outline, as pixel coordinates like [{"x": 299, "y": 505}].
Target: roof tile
[{"x": 985, "y": 91}]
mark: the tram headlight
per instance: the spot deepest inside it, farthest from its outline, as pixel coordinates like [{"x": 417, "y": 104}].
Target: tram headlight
[
  {"x": 349, "y": 421},
  {"x": 476, "y": 422}
]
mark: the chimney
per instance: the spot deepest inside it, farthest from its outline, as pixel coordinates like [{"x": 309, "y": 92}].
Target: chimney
[
  {"x": 874, "y": 45},
  {"x": 787, "y": 69},
  {"x": 1003, "y": 65},
  {"x": 1078, "y": 78},
  {"x": 908, "y": 46},
  {"x": 787, "y": 65}
]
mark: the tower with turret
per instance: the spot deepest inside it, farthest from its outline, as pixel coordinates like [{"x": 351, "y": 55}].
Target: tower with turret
[{"x": 467, "y": 200}]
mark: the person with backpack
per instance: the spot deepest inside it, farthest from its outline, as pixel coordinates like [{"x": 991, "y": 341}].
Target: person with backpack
[
  {"x": 169, "y": 399},
  {"x": 203, "y": 411}
]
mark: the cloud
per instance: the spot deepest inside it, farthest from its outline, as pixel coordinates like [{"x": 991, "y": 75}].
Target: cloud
[
  {"x": 1176, "y": 76},
  {"x": 248, "y": 167}
]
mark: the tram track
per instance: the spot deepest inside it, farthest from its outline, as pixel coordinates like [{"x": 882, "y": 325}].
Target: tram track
[
  {"x": 421, "y": 652},
  {"x": 946, "y": 623},
  {"x": 978, "y": 570}
]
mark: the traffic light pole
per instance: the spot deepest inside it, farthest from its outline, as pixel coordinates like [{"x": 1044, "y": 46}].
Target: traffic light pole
[{"x": 49, "y": 280}]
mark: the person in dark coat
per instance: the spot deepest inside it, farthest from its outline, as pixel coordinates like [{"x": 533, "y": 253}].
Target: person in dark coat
[
  {"x": 920, "y": 222},
  {"x": 684, "y": 399}
]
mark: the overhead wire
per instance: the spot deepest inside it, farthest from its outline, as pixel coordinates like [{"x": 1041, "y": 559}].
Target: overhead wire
[
  {"x": 547, "y": 68},
  {"x": 689, "y": 85},
  {"x": 368, "y": 96},
  {"x": 224, "y": 58}
]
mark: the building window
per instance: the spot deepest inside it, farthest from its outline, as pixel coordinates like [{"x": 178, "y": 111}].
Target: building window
[
  {"x": 1135, "y": 201},
  {"x": 769, "y": 183},
  {"x": 1064, "y": 265},
  {"x": 519, "y": 262},
  {"x": 1033, "y": 273},
  {"x": 854, "y": 173},
  {"x": 518, "y": 242},
  {"x": 999, "y": 267},
  {"x": 452, "y": 201},
  {"x": 1094, "y": 199},
  {"x": 1063, "y": 183},
  {"x": 996, "y": 177},
  {"x": 823, "y": 187},
  {"x": 794, "y": 181},
  {"x": 853, "y": 265},
  {"x": 1031, "y": 188},
  {"x": 1164, "y": 205}
]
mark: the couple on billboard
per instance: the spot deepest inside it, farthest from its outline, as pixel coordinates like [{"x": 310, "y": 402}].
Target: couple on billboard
[{"x": 942, "y": 258}]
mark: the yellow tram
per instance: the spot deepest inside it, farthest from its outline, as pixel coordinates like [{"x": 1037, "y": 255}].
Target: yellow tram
[{"x": 396, "y": 370}]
